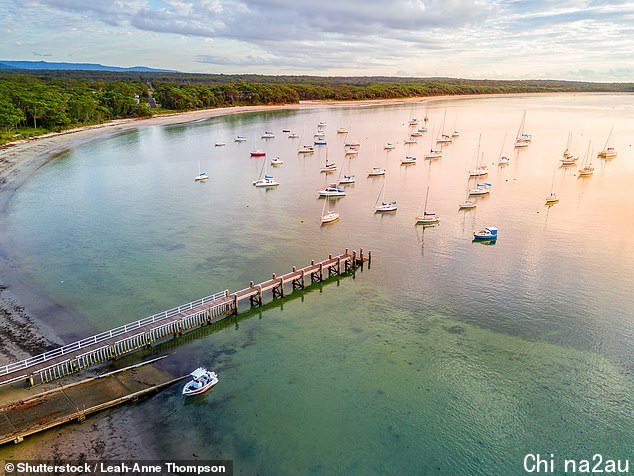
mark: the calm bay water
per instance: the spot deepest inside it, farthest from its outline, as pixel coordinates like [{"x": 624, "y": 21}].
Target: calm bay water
[{"x": 446, "y": 356}]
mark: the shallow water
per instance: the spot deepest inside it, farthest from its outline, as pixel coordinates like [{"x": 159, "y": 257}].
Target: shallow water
[{"x": 445, "y": 356}]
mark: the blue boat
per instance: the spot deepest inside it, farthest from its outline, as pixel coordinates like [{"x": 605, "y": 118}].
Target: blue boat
[{"x": 488, "y": 233}]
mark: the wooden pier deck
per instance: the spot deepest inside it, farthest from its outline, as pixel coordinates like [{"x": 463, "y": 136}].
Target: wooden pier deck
[
  {"x": 140, "y": 334},
  {"x": 76, "y": 401}
]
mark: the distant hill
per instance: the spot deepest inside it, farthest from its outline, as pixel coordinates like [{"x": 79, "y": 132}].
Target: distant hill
[{"x": 45, "y": 65}]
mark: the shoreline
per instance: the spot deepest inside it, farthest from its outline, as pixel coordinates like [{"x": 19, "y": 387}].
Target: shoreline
[{"x": 17, "y": 163}]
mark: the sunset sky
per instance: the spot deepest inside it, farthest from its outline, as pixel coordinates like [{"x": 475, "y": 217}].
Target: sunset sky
[{"x": 585, "y": 40}]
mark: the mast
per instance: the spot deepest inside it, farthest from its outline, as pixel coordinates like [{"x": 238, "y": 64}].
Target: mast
[
  {"x": 605, "y": 147},
  {"x": 503, "y": 142},
  {"x": 442, "y": 126},
  {"x": 521, "y": 129},
  {"x": 426, "y": 197}
]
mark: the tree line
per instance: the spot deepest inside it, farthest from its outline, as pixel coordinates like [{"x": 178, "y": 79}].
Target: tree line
[{"x": 53, "y": 100}]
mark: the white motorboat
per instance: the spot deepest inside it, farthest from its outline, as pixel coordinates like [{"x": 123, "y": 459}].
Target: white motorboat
[
  {"x": 202, "y": 380},
  {"x": 332, "y": 190},
  {"x": 389, "y": 146},
  {"x": 503, "y": 161},
  {"x": 268, "y": 135},
  {"x": 306, "y": 149},
  {"x": 347, "y": 179},
  {"x": 219, "y": 144},
  {"x": 376, "y": 171},
  {"x": 293, "y": 135},
  {"x": 240, "y": 139},
  {"x": 257, "y": 153},
  {"x": 276, "y": 161}
]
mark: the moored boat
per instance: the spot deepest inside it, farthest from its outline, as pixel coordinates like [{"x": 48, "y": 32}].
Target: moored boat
[{"x": 487, "y": 233}]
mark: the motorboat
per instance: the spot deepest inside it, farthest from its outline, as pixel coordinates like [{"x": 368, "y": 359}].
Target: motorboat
[
  {"x": 352, "y": 143},
  {"x": 202, "y": 380},
  {"x": 552, "y": 199},
  {"x": 416, "y": 134},
  {"x": 293, "y": 136},
  {"x": 332, "y": 190},
  {"x": 503, "y": 161},
  {"x": 240, "y": 139},
  {"x": 286, "y": 130},
  {"x": 306, "y": 149},
  {"x": 408, "y": 160},
  {"x": 329, "y": 168},
  {"x": 321, "y": 124},
  {"x": 320, "y": 142},
  {"x": 422, "y": 130},
  {"x": 487, "y": 233},
  {"x": 352, "y": 151},
  {"x": 389, "y": 146},
  {"x": 276, "y": 161},
  {"x": 455, "y": 134},
  {"x": 219, "y": 144},
  {"x": 342, "y": 130},
  {"x": 257, "y": 153},
  {"x": 268, "y": 135},
  {"x": 410, "y": 140}
]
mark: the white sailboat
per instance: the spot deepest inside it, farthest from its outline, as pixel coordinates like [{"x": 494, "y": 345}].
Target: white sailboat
[
  {"x": 433, "y": 153},
  {"x": 381, "y": 206},
  {"x": 567, "y": 158},
  {"x": 329, "y": 167},
  {"x": 552, "y": 197},
  {"x": 268, "y": 135},
  {"x": 375, "y": 171},
  {"x": 389, "y": 146},
  {"x": 480, "y": 169},
  {"x": 607, "y": 152},
  {"x": 264, "y": 180},
  {"x": 427, "y": 218},
  {"x": 587, "y": 168},
  {"x": 442, "y": 137},
  {"x": 408, "y": 160},
  {"x": 276, "y": 161},
  {"x": 330, "y": 216},
  {"x": 347, "y": 179},
  {"x": 522, "y": 139},
  {"x": 202, "y": 176},
  {"x": 503, "y": 160}
]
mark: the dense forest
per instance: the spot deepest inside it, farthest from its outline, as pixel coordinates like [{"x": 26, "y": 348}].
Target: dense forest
[{"x": 35, "y": 102}]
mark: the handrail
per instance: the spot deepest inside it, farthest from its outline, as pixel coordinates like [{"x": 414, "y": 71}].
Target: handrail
[{"x": 88, "y": 341}]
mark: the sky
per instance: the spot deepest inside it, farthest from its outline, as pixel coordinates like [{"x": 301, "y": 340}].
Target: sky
[{"x": 590, "y": 40}]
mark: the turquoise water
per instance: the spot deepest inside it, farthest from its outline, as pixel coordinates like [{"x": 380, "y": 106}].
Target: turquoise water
[{"x": 446, "y": 356}]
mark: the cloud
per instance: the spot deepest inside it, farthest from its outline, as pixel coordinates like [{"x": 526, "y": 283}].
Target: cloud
[{"x": 503, "y": 38}]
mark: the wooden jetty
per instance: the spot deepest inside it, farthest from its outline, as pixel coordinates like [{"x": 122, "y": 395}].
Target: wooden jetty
[
  {"x": 109, "y": 345},
  {"x": 76, "y": 401}
]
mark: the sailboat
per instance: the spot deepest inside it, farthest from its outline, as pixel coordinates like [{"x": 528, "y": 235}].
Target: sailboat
[
  {"x": 240, "y": 139},
  {"x": 408, "y": 160},
  {"x": 433, "y": 154},
  {"x": 330, "y": 216},
  {"x": 265, "y": 181},
  {"x": 504, "y": 160},
  {"x": 480, "y": 169},
  {"x": 276, "y": 161},
  {"x": 389, "y": 146},
  {"x": 268, "y": 135},
  {"x": 346, "y": 179},
  {"x": 293, "y": 135},
  {"x": 305, "y": 149},
  {"x": 202, "y": 176},
  {"x": 467, "y": 204},
  {"x": 587, "y": 168},
  {"x": 456, "y": 132},
  {"x": 381, "y": 206},
  {"x": 375, "y": 171},
  {"x": 567, "y": 158},
  {"x": 522, "y": 139},
  {"x": 552, "y": 198},
  {"x": 328, "y": 167},
  {"x": 607, "y": 152},
  {"x": 442, "y": 137},
  {"x": 483, "y": 188},
  {"x": 427, "y": 218}
]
